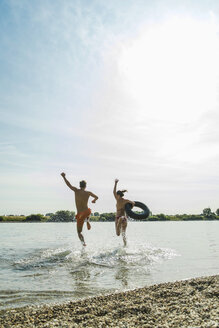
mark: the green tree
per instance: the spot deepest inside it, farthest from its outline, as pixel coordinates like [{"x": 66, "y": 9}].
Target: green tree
[
  {"x": 217, "y": 212},
  {"x": 96, "y": 214},
  {"x": 62, "y": 216},
  {"x": 34, "y": 218},
  {"x": 208, "y": 214},
  {"x": 161, "y": 217},
  {"x": 107, "y": 217}
]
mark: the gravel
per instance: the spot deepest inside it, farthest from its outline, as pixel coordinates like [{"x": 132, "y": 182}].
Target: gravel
[{"x": 190, "y": 303}]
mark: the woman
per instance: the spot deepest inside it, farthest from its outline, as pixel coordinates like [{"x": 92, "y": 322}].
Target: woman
[{"x": 121, "y": 219}]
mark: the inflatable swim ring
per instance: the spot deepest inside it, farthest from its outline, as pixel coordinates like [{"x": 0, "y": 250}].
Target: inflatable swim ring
[{"x": 137, "y": 216}]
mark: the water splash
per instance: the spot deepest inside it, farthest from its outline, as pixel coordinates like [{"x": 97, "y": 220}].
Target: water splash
[
  {"x": 42, "y": 259},
  {"x": 84, "y": 272}
]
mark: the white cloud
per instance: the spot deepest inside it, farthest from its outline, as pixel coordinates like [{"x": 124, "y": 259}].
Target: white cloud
[
  {"x": 102, "y": 94},
  {"x": 150, "y": 119}
]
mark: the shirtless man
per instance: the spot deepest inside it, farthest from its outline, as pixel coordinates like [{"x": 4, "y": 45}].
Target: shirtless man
[
  {"x": 121, "y": 219},
  {"x": 81, "y": 200}
]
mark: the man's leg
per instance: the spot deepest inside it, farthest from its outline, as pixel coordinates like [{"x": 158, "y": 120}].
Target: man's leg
[
  {"x": 79, "y": 230},
  {"x": 88, "y": 223}
]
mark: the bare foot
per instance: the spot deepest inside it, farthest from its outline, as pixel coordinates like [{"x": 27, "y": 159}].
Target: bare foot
[{"x": 83, "y": 243}]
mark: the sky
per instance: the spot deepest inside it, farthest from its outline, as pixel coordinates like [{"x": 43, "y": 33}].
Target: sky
[{"x": 109, "y": 89}]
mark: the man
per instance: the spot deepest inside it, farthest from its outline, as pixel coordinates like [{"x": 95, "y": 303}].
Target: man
[
  {"x": 121, "y": 219},
  {"x": 81, "y": 200}
]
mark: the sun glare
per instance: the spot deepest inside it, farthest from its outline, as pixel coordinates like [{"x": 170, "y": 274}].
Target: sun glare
[{"x": 171, "y": 69}]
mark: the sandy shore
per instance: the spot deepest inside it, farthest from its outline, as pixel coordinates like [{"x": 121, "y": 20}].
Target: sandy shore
[{"x": 192, "y": 303}]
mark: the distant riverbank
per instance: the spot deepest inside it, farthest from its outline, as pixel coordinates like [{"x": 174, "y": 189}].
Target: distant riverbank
[{"x": 67, "y": 216}]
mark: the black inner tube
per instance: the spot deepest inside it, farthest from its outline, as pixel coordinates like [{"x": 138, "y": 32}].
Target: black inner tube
[{"x": 137, "y": 216}]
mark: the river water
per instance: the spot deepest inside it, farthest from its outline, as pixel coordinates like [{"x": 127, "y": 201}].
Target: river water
[{"x": 45, "y": 262}]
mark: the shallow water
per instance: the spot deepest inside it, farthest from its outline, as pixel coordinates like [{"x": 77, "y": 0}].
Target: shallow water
[{"x": 45, "y": 262}]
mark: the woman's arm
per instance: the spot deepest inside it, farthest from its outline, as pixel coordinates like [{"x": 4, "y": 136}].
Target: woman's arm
[
  {"x": 114, "y": 189},
  {"x": 129, "y": 201}
]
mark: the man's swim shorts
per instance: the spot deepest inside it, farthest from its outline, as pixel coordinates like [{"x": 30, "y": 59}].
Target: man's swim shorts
[{"x": 80, "y": 217}]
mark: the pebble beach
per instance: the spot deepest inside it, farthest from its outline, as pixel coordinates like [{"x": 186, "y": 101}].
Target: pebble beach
[{"x": 190, "y": 303}]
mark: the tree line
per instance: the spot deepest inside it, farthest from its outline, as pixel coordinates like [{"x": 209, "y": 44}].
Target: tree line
[{"x": 69, "y": 216}]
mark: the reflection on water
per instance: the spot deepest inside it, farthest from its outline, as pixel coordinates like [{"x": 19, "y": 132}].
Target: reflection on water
[
  {"x": 49, "y": 267},
  {"x": 122, "y": 274},
  {"x": 81, "y": 284}
]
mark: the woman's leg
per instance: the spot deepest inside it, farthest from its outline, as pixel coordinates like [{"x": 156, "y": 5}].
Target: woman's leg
[
  {"x": 118, "y": 223},
  {"x": 121, "y": 225},
  {"x": 124, "y": 226}
]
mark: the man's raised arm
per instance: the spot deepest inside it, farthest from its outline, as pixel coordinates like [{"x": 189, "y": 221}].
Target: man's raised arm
[
  {"x": 67, "y": 182},
  {"x": 114, "y": 189}
]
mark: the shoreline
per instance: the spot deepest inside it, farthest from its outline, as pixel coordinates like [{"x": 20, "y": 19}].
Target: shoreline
[
  {"x": 187, "y": 303},
  {"x": 99, "y": 221}
]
